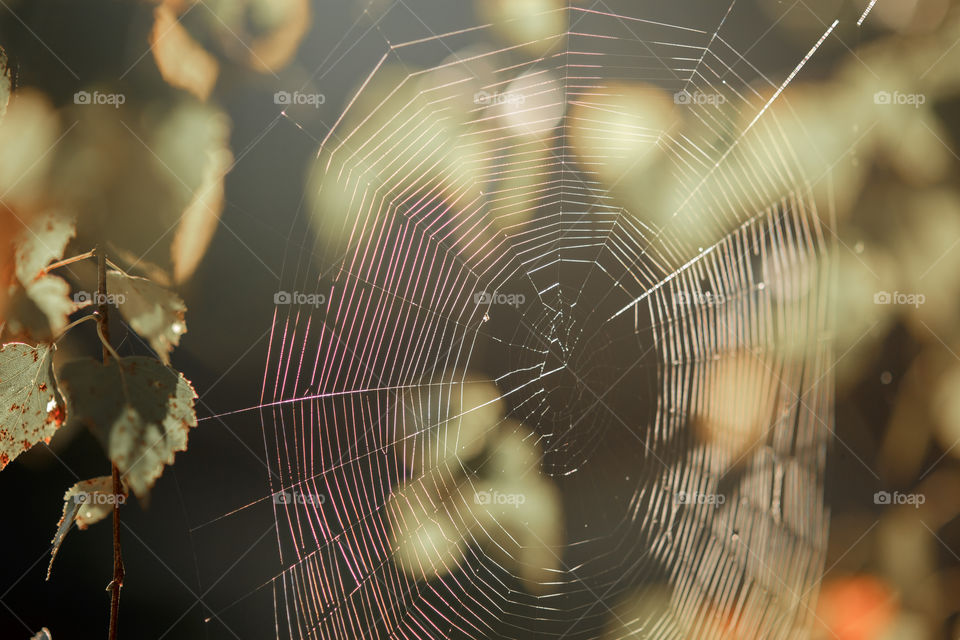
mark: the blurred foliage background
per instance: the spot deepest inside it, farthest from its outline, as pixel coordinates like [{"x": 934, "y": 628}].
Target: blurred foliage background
[{"x": 198, "y": 180}]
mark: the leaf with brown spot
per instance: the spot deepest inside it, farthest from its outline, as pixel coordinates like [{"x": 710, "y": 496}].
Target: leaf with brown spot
[
  {"x": 141, "y": 410},
  {"x": 155, "y": 313},
  {"x": 30, "y": 407},
  {"x": 86, "y": 502}
]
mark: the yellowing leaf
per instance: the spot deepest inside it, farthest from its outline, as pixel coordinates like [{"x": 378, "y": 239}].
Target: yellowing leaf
[
  {"x": 30, "y": 409},
  {"x": 141, "y": 410},
  {"x": 152, "y": 311},
  {"x": 86, "y": 502}
]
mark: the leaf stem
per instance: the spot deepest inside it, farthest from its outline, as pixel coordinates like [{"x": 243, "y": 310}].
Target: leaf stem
[
  {"x": 108, "y": 351},
  {"x": 66, "y": 329},
  {"x": 67, "y": 261},
  {"x": 103, "y": 330}
]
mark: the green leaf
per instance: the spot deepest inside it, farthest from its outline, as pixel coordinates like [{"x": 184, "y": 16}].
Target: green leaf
[
  {"x": 141, "y": 410},
  {"x": 30, "y": 408},
  {"x": 155, "y": 313},
  {"x": 86, "y": 502}
]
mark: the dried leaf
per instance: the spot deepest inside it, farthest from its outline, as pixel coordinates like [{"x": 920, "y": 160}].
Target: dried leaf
[
  {"x": 152, "y": 311},
  {"x": 141, "y": 410},
  {"x": 86, "y": 502},
  {"x": 70, "y": 510},
  {"x": 30, "y": 408}
]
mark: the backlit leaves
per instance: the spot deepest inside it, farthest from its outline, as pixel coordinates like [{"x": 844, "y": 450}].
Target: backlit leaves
[
  {"x": 40, "y": 303},
  {"x": 30, "y": 409},
  {"x": 152, "y": 311},
  {"x": 40, "y": 243},
  {"x": 141, "y": 410},
  {"x": 86, "y": 502}
]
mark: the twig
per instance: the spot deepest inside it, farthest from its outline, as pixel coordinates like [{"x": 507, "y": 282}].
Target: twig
[
  {"x": 103, "y": 330},
  {"x": 66, "y": 261}
]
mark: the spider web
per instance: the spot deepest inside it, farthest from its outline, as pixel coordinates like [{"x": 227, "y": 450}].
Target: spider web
[{"x": 479, "y": 243}]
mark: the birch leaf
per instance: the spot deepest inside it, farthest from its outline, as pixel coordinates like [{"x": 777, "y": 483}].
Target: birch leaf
[
  {"x": 30, "y": 408},
  {"x": 40, "y": 243},
  {"x": 39, "y": 312},
  {"x": 155, "y": 313},
  {"x": 141, "y": 410},
  {"x": 40, "y": 304},
  {"x": 86, "y": 502}
]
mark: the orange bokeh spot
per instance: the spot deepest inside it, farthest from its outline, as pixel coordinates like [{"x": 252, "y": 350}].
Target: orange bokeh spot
[{"x": 856, "y": 608}]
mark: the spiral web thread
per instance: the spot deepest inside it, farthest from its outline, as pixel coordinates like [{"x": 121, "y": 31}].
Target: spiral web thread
[{"x": 445, "y": 201}]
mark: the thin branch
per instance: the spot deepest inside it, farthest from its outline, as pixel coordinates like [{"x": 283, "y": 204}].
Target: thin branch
[
  {"x": 103, "y": 330},
  {"x": 66, "y": 261}
]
